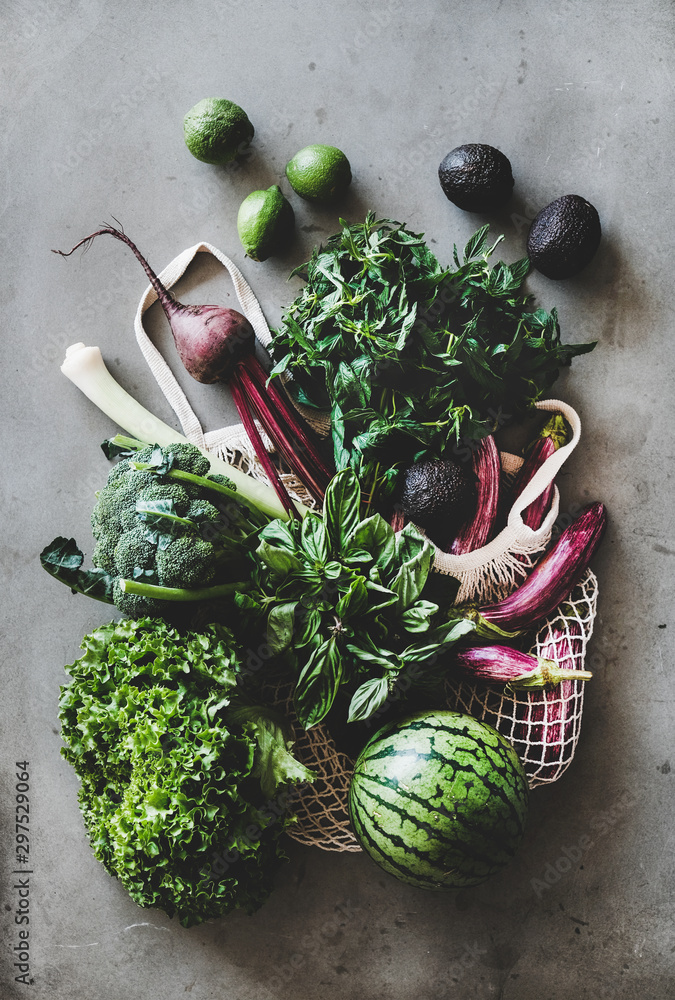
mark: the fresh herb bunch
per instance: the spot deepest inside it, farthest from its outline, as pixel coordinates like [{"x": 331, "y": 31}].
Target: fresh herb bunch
[
  {"x": 341, "y": 598},
  {"x": 178, "y": 779},
  {"x": 410, "y": 357}
]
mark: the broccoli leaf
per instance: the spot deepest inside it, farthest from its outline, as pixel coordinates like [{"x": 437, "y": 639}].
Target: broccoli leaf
[{"x": 63, "y": 560}]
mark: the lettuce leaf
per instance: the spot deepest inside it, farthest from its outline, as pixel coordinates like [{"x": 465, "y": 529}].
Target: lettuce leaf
[{"x": 184, "y": 794}]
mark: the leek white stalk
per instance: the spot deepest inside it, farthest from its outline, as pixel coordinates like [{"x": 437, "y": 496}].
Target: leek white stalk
[{"x": 86, "y": 369}]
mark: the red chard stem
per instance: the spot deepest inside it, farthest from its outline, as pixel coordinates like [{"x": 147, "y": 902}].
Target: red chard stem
[{"x": 286, "y": 411}]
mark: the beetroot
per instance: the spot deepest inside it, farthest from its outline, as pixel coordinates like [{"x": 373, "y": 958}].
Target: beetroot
[{"x": 217, "y": 344}]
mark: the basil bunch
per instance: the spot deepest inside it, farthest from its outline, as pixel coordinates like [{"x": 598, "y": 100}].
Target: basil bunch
[
  {"x": 341, "y": 597},
  {"x": 409, "y": 356}
]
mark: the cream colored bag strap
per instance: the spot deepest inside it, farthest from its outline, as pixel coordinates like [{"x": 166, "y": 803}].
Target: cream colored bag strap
[
  {"x": 158, "y": 366},
  {"x": 166, "y": 380},
  {"x": 517, "y": 536},
  {"x": 549, "y": 469}
]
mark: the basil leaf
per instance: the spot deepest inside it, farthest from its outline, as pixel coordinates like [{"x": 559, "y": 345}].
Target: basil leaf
[
  {"x": 367, "y": 698},
  {"x": 279, "y": 534},
  {"x": 332, "y": 570},
  {"x": 355, "y": 600},
  {"x": 348, "y": 388},
  {"x": 374, "y": 535},
  {"x": 357, "y": 556},
  {"x": 314, "y": 538},
  {"x": 280, "y": 561},
  {"x": 477, "y": 244},
  {"x": 341, "y": 453},
  {"x": 318, "y": 683},
  {"x": 247, "y": 604},
  {"x": 372, "y": 655},
  {"x": 416, "y": 618},
  {"x": 409, "y": 543},
  {"x": 341, "y": 507},
  {"x": 381, "y": 597},
  {"x": 410, "y": 579},
  {"x": 280, "y": 623},
  {"x": 437, "y": 641},
  {"x": 307, "y": 624}
]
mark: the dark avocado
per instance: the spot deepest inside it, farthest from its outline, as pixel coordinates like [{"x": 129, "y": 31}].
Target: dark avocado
[
  {"x": 476, "y": 177},
  {"x": 564, "y": 237},
  {"x": 438, "y": 496}
]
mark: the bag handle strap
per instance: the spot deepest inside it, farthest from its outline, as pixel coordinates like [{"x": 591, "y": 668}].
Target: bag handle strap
[
  {"x": 158, "y": 366},
  {"x": 517, "y": 535},
  {"x": 549, "y": 469}
]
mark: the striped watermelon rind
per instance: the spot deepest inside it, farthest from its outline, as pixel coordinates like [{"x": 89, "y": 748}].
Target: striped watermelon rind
[{"x": 439, "y": 800}]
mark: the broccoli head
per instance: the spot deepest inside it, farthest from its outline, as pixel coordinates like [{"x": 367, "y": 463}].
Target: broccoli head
[{"x": 164, "y": 530}]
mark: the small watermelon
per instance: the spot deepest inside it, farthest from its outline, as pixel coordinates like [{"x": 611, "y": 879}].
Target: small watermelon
[{"x": 439, "y": 800}]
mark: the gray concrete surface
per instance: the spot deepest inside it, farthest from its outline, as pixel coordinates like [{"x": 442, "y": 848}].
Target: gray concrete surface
[{"x": 579, "y": 96}]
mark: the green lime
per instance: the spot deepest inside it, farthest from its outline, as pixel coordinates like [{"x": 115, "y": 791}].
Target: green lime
[
  {"x": 319, "y": 173},
  {"x": 216, "y": 130},
  {"x": 265, "y": 222}
]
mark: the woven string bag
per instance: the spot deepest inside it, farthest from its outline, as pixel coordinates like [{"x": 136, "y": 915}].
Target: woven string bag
[{"x": 543, "y": 726}]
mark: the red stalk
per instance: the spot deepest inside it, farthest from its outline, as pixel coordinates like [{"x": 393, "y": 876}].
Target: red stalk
[
  {"x": 278, "y": 433},
  {"x": 287, "y": 412},
  {"x": 487, "y": 468},
  {"x": 260, "y": 450},
  {"x": 398, "y": 520}
]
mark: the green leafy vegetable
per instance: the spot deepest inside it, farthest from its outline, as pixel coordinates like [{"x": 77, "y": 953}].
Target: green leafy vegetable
[
  {"x": 178, "y": 781},
  {"x": 341, "y": 599},
  {"x": 63, "y": 560},
  {"x": 409, "y": 356},
  {"x": 165, "y": 532}
]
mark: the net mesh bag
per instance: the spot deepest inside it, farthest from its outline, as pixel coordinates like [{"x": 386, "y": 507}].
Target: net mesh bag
[{"x": 542, "y": 726}]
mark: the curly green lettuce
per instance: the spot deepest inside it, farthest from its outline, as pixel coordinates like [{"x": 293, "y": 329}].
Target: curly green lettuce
[{"x": 184, "y": 788}]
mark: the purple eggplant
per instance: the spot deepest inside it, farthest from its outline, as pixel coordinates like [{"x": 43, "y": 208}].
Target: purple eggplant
[
  {"x": 552, "y": 436},
  {"x": 551, "y": 720},
  {"x": 550, "y": 582},
  {"x": 487, "y": 469},
  {"x": 504, "y": 665}
]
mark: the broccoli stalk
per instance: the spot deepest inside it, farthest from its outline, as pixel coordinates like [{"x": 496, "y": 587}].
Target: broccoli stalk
[
  {"x": 140, "y": 589},
  {"x": 207, "y": 484}
]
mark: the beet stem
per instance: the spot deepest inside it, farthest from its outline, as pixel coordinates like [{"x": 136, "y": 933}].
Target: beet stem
[
  {"x": 286, "y": 411},
  {"x": 277, "y": 433},
  {"x": 256, "y": 440}
]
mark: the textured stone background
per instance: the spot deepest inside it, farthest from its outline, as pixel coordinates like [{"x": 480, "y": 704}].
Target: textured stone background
[{"x": 579, "y": 96}]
